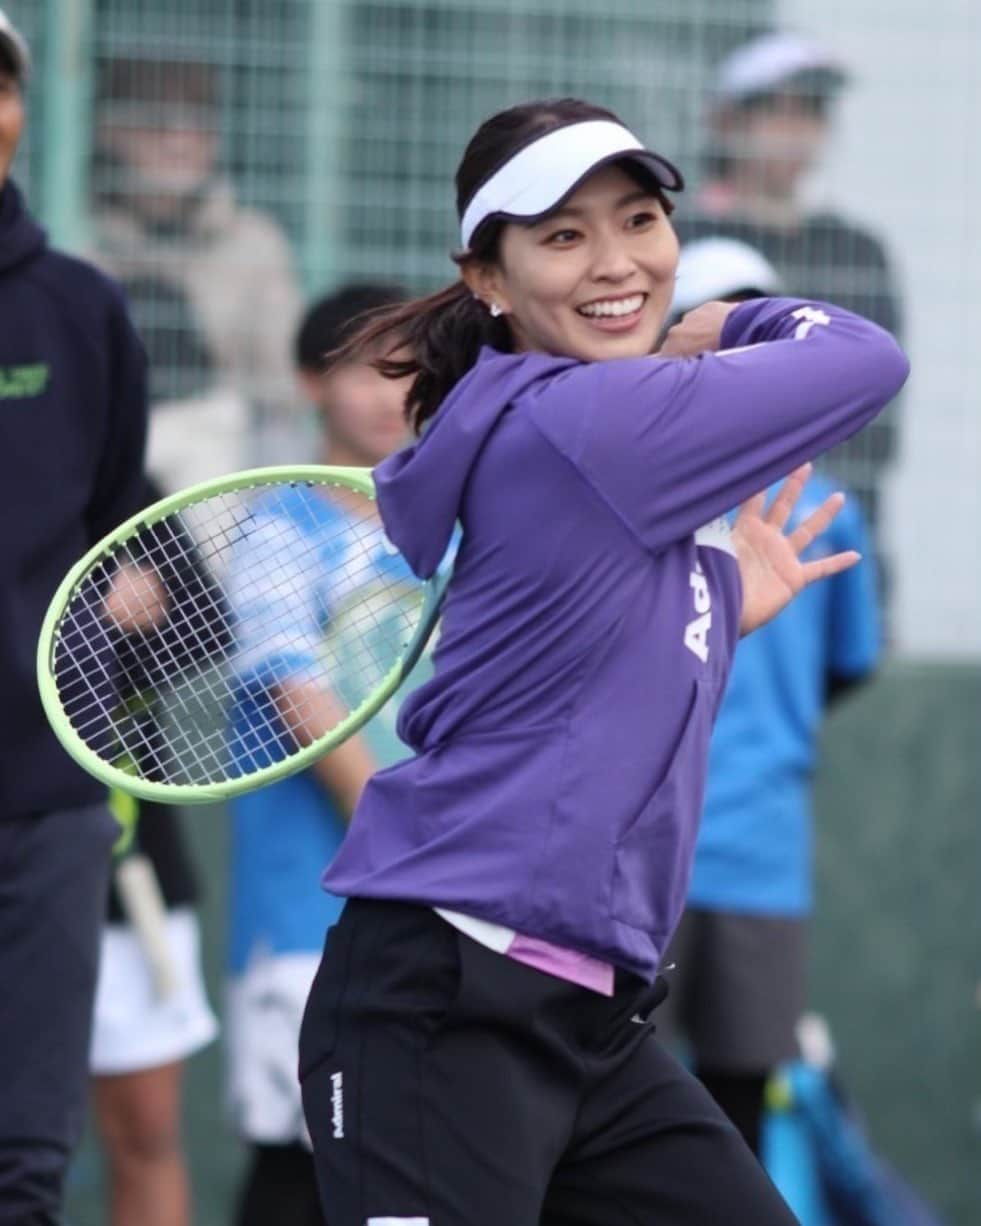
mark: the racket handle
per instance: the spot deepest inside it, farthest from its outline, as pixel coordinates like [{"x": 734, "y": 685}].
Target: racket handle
[{"x": 143, "y": 904}]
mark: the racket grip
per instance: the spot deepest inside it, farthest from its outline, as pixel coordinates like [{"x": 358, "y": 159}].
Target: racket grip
[{"x": 143, "y": 904}]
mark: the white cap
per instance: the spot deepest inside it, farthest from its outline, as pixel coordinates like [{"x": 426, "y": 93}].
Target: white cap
[
  {"x": 714, "y": 268},
  {"x": 15, "y": 45},
  {"x": 540, "y": 176},
  {"x": 774, "y": 60}
]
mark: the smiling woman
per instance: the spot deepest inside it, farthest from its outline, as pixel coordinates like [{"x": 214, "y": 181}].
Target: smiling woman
[
  {"x": 594, "y": 279},
  {"x": 513, "y": 884}
]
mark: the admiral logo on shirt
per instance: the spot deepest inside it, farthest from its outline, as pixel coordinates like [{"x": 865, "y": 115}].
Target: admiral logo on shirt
[
  {"x": 696, "y": 631},
  {"x": 337, "y": 1105},
  {"x": 23, "y": 382},
  {"x": 716, "y": 535}
]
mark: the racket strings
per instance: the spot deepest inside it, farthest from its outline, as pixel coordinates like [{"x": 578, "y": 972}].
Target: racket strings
[
  {"x": 158, "y": 557},
  {"x": 182, "y": 655}
]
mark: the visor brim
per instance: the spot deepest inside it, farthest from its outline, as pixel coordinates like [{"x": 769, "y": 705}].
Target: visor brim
[{"x": 664, "y": 175}]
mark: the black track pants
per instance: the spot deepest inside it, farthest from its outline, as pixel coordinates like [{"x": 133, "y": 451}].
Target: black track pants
[{"x": 447, "y": 1085}]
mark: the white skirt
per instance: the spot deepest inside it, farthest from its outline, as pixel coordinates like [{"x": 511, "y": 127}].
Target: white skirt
[{"x": 134, "y": 1027}]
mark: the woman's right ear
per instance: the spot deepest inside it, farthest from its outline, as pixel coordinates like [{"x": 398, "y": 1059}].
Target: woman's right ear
[{"x": 481, "y": 280}]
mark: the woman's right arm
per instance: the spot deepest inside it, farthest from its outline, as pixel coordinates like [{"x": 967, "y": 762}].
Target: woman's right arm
[{"x": 672, "y": 443}]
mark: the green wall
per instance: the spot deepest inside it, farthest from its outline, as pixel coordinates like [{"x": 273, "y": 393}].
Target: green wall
[{"x": 897, "y": 934}]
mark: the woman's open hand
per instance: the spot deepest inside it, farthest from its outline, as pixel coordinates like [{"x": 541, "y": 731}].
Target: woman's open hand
[{"x": 769, "y": 561}]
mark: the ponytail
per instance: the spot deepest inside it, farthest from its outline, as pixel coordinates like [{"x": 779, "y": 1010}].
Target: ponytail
[{"x": 442, "y": 336}]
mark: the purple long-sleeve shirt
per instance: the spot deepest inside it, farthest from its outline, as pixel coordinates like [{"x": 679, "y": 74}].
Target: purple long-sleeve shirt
[{"x": 588, "y": 631}]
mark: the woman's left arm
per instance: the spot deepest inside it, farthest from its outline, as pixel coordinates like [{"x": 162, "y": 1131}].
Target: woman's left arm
[{"x": 672, "y": 443}]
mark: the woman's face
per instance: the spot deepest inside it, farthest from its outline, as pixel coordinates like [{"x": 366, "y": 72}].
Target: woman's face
[{"x": 592, "y": 281}]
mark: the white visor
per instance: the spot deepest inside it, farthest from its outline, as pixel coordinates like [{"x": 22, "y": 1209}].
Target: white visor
[
  {"x": 539, "y": 177},
  {"x": 714, "y": 268},
  {"x": 15, "y": 46}
]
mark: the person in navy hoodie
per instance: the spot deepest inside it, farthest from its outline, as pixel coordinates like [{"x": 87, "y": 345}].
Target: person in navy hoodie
[
  {"x": 477, "y": 1046},
  {"x": 72, "y": 426}
]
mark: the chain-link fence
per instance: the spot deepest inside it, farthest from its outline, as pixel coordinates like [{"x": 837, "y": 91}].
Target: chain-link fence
[{"x": 324, "y": 136}]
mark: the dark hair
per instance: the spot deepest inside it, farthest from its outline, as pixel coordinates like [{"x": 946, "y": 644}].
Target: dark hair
[
  {"x": 9, "y": 63},
  {"x": 444, "y": 333},
  {"x": 154, "y": 81},
  {"x": 332, "y": 320}
]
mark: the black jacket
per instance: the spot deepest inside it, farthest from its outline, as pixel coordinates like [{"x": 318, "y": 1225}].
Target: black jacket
[{"x": 72, "y": 430}]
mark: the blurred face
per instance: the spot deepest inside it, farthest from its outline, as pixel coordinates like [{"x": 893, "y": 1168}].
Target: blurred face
[
  {"x": 778, "y": 144},
  {"x": 363, "y": 412},
  {"x": 169, "y": 161},
  {"x": 11, "y": 121},
  {"x": 594, "y": 280}
]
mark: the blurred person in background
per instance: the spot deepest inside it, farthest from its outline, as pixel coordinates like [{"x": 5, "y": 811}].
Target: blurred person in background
[
  {"x": 143, "y": 1033},
  {"x": 165, "y": 215},
  {"x": 738, "y": 984},
  {"x": 144, "y": 1028},
  {"x": 286, "y": 831},
  {"x": 73, "y": 395},
  {"x": 768, "y": 122},
  {"x": 199, "y": 424}
]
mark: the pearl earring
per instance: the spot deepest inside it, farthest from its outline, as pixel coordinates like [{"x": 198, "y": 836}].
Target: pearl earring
[{"x": 495, "y": 310}]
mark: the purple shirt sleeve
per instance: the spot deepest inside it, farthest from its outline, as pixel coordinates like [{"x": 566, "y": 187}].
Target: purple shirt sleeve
[{"x": 669, "y": 444}]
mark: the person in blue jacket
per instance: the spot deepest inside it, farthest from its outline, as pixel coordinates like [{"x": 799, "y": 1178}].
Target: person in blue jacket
[
  {"x": 72, "y": 427},
  {"x": 284, "y": 833},
  {"x": 738, "y": 983},
  {"x": 477, "y": 1046}
]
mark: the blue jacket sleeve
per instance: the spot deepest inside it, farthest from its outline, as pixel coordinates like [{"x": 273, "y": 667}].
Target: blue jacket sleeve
[
  {"x": 855, "y": 632},
  {"x": 670, "y": 444}
]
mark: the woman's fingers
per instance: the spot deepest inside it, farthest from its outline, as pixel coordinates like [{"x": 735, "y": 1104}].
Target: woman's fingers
[
  {"x": 824, "y": 568},
  {"x": 816, "y": 523},
  {"x": 783, "y": 505}
]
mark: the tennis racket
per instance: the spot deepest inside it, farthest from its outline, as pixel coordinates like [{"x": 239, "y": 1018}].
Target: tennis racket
[{"x": 152, "y": 646}]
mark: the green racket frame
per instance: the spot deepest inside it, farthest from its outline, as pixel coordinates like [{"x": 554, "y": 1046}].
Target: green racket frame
[{"x": 357, "y": 479}]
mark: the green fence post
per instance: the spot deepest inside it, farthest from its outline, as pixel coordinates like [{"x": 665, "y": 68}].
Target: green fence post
[
  {"x": 65, "y": 142},
  {"x": 322, "y": 225}
]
